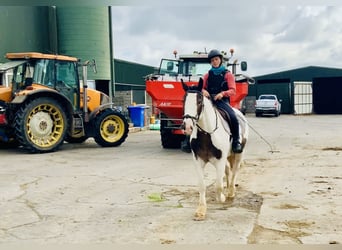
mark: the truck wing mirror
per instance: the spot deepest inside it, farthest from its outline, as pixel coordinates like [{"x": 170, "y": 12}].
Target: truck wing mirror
[{"x": 243, "y": 65}]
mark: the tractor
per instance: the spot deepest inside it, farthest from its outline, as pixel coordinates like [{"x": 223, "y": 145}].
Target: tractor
[{"x": 43, "y": 102}]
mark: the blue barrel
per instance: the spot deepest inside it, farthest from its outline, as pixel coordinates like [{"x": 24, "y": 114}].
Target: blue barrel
[{"x": 137, "y": 115}]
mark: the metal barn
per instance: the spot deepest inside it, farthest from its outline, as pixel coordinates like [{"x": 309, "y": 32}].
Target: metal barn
[{"x": 302, "y": 91}]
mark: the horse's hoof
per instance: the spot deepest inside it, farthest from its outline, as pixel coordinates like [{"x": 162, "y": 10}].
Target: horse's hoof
[
  {"x": 222, "y": 198},
  {"x": 230, "y": 198},
  {"x": 199, "y": 217},
  {"x": 200, "y": 213},
  {"x": 231, "y": 195},
  {"x": 231, "y": 192}
]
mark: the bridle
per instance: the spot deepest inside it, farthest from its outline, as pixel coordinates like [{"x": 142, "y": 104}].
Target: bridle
[{"x": 200, "y": 106}]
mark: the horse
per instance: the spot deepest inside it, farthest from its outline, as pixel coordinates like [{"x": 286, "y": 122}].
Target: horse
[{"x": 210, "y": 142}]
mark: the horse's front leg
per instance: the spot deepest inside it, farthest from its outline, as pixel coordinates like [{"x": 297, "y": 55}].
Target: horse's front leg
[
  {"x": 202, "y": 206},
  {"x": 220, "y": 172}
]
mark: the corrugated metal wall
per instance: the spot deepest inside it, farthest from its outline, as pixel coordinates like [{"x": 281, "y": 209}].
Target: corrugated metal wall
[{"x": 130, "y": 75}]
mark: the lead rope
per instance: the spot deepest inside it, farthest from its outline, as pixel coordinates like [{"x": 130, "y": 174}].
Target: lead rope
[{"x": 269, "y": 144}]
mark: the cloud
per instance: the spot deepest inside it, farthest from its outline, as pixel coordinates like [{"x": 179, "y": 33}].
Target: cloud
[{"x": 270, "y": 38}]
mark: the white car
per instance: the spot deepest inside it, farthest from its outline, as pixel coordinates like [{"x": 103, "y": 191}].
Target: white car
[{"x": 267, "y": 104}]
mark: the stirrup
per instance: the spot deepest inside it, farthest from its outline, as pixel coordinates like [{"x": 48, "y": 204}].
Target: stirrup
[{"x": 237, "y": 147}]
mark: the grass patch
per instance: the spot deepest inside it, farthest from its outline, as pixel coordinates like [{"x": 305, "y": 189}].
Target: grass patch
[{"x": 156, "y": 197}]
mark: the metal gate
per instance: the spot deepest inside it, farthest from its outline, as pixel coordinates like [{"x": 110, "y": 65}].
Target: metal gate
[{"x": 302, "y": 97}]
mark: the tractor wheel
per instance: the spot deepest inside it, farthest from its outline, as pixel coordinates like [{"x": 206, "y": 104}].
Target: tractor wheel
[
  {"x": 40, "y": 125},
  {"x": 111, "y": 128}
]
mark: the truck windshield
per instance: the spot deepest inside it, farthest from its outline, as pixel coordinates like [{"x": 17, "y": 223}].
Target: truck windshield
[{"x": 267, "y": 97}]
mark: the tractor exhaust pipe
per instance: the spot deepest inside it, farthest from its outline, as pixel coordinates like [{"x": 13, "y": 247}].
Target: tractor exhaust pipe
[
  {"x": 85, "y": 91},
  {"x": 85, "y": 65}
]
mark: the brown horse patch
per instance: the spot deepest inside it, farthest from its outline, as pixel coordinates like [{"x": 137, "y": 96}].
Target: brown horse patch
[{"x": 203, "y": 147}]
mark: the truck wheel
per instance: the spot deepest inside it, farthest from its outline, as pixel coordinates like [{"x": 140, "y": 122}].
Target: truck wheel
[
  {"x": 111, "y": 128},
  {"x": 40, "y": 125}
]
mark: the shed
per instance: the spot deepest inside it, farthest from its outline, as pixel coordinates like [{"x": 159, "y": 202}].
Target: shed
[{"x": 295, "y": 88}]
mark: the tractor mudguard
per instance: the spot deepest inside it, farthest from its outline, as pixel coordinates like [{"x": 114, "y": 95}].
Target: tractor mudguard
[{"x": 100, "y": 108}]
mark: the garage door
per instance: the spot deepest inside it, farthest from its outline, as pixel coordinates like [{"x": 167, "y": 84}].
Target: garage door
[{"x": 302, "y": 97}]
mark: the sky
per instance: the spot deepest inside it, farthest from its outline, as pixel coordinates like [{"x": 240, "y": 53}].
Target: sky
[{"x": 270, "y": 38}]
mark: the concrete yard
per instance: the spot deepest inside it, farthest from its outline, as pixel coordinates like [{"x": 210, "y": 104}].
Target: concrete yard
[{"x": 289, "y": 191}]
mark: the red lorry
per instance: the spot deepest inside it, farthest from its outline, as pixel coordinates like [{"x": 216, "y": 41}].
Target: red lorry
[{"x": 167, "y": 94}]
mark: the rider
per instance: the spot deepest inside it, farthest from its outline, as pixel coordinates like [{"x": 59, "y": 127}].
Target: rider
[{"x": 220, "y": 84}]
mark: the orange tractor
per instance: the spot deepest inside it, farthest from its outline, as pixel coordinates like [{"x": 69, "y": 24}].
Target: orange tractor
[
  {"x": 43, "y": 102},
  {"x": 166, "y": 91}
]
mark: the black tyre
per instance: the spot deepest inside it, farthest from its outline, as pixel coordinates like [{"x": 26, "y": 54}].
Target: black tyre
[
  {"x": 40, "y": 125},
  {"x": 70, "y": 139},
  {"x": 168, "y": 139},
  {"x": 111, "y": 128}
]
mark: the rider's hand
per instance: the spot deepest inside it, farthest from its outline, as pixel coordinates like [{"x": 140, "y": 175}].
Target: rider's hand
[
  {"x": 205, "y": 93},
  {"x": 219, "y": 96}
]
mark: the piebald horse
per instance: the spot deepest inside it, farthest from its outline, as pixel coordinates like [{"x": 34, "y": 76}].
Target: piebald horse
[{"x": 210, "y": 141}]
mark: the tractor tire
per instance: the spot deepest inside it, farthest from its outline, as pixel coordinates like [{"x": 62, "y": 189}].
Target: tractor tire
[
  {"x": 111, "y": 128},
  {"x": 168, "y": 139},
  {"x": 40, "y": 125}
]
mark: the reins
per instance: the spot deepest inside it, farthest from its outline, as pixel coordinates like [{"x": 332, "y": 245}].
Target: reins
[
  {"x": 196, "y": 118},
  {"x": 216, "y": 125}
]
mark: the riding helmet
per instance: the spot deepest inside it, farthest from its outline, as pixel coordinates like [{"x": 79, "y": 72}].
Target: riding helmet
[{"x": 214, "y": 53}]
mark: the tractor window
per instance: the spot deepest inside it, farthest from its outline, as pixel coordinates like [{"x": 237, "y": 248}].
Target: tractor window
[
  {"x": 44, "y": 72},
  {"x": 194, "y": 68},
  {"x": 18, "y": 74},
  {"x": 66, "y": 74}
]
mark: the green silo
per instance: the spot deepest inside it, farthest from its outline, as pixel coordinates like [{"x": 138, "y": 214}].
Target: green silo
[
  {"x": 83, "y": 32},
  {"x": 24, "y": 28}
]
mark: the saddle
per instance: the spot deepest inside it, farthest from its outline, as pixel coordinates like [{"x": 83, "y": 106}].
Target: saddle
[{"x": 224, "y": 114}]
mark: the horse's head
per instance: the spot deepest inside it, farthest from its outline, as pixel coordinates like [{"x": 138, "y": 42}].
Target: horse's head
[{"x": 193, "y": 105}]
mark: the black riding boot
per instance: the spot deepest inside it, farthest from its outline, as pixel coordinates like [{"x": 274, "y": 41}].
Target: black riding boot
[{"x": 236, "y": 146}]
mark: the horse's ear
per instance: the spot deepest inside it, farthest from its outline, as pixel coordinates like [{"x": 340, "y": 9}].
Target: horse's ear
[
  {"x": 200, "y": 84},
  {"x": 185, "y": 87}
]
